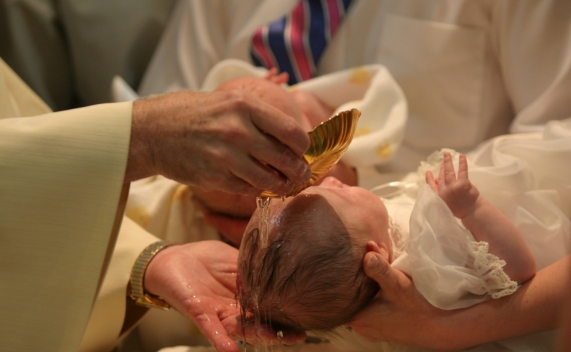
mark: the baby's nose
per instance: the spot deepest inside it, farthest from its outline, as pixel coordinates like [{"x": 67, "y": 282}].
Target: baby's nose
[{"x": 332, "y": 182}]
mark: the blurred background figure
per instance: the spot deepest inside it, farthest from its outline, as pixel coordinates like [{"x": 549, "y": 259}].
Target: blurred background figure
[{"x": 68, "y": 51}]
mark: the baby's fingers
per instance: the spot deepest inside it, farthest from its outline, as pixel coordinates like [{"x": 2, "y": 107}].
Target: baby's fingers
[
  {"x": 431, "y": 181},
  {"x": 449, "y": 173},
  {"x": 277, "y": 78},
  {"x": 463, "y": 168},
  {"x": 441, "y": 181}
]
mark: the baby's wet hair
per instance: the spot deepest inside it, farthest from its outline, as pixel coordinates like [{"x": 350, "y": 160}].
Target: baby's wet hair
[{"x": 309, "y": 276}]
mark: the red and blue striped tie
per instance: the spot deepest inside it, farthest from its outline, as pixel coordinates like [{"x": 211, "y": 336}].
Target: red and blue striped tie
[{"x": 295, "y": 43}]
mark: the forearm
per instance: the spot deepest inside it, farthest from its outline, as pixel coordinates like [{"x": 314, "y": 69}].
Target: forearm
[
  {"x": 487, "y": 223},
  {"x": 534, "y": 307}
]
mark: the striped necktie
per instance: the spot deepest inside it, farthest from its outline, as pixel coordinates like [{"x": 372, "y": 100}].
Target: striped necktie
[{"x": 295, "y": 43}]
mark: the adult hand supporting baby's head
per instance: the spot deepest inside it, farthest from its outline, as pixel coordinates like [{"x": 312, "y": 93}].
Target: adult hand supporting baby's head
[
  {"x": 224, "y": 203},
  {"x": 199, "y": 280},
  {"x": 228, "y": 213},
  {"x": 399, "y": 313}
]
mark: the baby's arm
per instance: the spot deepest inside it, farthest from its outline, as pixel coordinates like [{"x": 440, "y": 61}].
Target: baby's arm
[{"x": 482, "y": 219}]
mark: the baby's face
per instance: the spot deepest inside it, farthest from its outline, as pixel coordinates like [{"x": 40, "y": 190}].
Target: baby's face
[{"x": 359, "y": 210}]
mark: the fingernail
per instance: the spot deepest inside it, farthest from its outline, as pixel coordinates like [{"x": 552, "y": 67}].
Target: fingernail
[
  {"x": 373, "y": 262},
  {"x": 307, "y": 174}
]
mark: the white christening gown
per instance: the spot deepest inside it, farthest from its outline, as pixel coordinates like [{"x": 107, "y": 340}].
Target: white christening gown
[{"x": 526, "y": 177}]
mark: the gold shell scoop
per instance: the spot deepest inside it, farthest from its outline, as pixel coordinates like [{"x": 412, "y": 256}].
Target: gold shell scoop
[{"x": 329, "y": 141}]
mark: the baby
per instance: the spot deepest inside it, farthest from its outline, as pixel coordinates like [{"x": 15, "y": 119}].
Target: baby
[{"x": 306, "y": 272}]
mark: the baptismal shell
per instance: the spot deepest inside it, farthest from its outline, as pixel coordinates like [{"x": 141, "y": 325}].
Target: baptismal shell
[{"x": 329, "y": 141}]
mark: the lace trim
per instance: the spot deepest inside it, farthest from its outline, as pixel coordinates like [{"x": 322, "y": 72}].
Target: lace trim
[
  {"x": 395, "y": 234},
  {"x": 490, "y": 269}
]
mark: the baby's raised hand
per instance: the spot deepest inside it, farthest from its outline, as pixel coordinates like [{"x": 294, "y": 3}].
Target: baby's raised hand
[
  {"x": 457, "y": 192},
  {"x": 277, "y": 78}
]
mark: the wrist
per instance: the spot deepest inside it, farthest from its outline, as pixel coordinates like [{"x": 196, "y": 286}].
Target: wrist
[
  {"x": 138, "y": 285},
  {"x": 141, "y": 160},
  {"x": 471, "y": 215}
]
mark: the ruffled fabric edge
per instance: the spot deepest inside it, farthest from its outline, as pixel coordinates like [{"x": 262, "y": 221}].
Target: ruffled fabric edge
[
  {"x": 449, "y": 267},
  {"x": 490, "y": 269}
]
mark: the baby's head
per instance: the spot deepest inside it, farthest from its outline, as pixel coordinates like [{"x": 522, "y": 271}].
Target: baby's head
[{"x": 307, "y": 274}]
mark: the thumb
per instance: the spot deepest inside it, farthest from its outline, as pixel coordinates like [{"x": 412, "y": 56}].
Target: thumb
[{"x": 378, "y": 268}]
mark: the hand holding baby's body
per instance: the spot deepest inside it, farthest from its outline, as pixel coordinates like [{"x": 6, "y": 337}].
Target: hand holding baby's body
[{"x": 482, "y": 218}]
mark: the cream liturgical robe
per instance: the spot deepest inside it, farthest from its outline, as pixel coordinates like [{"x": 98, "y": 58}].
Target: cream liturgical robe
[{"x": 61, "y": 184}]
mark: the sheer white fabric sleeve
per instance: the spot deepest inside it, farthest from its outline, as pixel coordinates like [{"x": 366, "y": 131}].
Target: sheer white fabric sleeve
[
  {"x": 448, "y": 267},
  {"x": 524, "y": 176}
]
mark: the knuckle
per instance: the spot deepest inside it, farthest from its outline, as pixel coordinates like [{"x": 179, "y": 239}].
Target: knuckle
[
  {"x": 286, "y": 158},
  {"x": 292, "y": 129},
  {"x": 250, "y": 191},
  {"x": 237, "y": 99},
  {"x": 222, "y": 157},
  {"x": 271, "y": 182},
  {"x": 235, "y": 132},
  {"x": 263, "y": 180}
]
